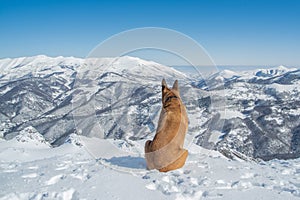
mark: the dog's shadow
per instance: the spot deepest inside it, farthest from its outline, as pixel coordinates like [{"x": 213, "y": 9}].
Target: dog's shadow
[{"x": 128, "y": 162}]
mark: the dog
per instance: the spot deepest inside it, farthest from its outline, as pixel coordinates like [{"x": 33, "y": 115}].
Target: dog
[{"x": 165, "y": 152}]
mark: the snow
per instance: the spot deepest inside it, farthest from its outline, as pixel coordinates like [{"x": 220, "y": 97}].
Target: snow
[
  {"x": 283, "y": 88},
  {"x": 31, "y": 135},
  {"x": 295, "y": 112},
  {"x": 267, "y": 72},
  {"x": 93, "y": 168},
  {"x": 14, "y": 69},
  {"x": 228, "y": 114},
  {"x": 111, "y": 169},
  {"x": 228, "y": 73}
]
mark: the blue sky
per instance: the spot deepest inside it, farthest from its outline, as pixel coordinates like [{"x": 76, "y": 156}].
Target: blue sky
[{"x": 257, "y": 32}]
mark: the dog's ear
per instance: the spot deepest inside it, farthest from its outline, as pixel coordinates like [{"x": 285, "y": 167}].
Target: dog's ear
[
  {"x": 175, "y": 86},
  {"x": 164, "y": 85}
]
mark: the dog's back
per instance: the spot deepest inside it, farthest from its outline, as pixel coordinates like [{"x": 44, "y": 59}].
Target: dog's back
[{"x": 166, "y": 151}]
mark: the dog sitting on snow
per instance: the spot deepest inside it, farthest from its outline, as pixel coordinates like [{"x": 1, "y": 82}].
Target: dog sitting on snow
[{"x": 165, "y": 152}]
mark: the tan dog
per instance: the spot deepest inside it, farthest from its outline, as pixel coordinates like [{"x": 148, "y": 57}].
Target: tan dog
[{"x": 166, "y": 151}]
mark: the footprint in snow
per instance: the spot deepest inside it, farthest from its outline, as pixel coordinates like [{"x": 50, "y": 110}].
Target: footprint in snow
[
  {"x": 62, "y": 166},
  {"x": 83, "y": 175}
]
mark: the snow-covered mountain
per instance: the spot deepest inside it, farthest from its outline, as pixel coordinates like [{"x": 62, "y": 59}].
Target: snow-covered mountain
[
  {"x": 262, "y": 112},
  {"x": 120, "y": 98},
  {"x": 36, "y": 91},
  {"x": 276, "y": 71},
  {"x": 98, "y": 113}
]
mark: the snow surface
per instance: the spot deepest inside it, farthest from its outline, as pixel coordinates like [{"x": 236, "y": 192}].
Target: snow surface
[
  {"x": 283, "y": 88},
  {"x": 92, "y": 168}
]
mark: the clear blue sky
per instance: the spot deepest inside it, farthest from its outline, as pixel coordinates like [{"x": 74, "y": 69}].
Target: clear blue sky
[{"x": 254, "y": 32}]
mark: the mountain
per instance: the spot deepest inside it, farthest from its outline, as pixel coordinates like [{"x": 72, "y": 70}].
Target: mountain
[
  {"x": 276, "y": 71},
  {"x": 43, "y": 92},
  {"x": 262, "y": 113},
  {"x": 36, "y": 91},
  {"x": 250, "y": 114},
  {"x": 121, "y": 98}
]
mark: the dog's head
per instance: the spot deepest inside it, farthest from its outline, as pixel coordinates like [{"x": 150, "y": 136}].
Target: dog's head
[{"x": 170, "y": 97}]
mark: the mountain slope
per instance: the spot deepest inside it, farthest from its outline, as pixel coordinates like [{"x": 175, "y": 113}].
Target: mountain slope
[
  {"x": 120, "y": 98},
  {"x": 122, "y": 95},
  {"x": 262, "y": 115}
]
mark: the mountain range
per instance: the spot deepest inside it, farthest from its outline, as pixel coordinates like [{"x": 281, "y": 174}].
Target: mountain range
[{"x": 250, "y": 114}]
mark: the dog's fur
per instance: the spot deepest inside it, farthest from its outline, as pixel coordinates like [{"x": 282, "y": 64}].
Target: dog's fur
[{"x": 166, "y": 151}]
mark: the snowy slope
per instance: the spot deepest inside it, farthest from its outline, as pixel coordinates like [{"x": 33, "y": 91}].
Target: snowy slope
[
  {"x": 73, "y": 172},
  {"x": 261, "y": 118},
  {"x": 38, "y": 92}
]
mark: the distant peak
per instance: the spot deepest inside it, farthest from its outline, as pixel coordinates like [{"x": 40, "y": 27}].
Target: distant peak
[
  {"x": 282, "y": 67},
  {"x": 227, "y": 73}
]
